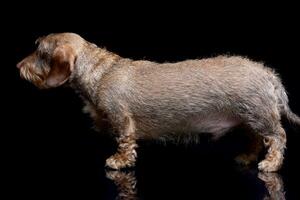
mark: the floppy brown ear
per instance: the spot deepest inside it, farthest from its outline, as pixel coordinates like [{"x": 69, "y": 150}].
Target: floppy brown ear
[{"x": 61, "y": 66}]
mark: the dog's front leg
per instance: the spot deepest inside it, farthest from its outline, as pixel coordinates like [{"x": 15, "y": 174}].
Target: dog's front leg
[{"x": 126, "y": 153}]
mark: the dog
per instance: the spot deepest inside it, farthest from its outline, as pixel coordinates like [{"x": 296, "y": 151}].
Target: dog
[{"x": 147, "y": 100}]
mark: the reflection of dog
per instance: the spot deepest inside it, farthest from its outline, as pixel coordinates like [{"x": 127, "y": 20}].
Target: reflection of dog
[
  {"x": 127, "y": 189},
  {"x": 143, "y": 99},
  {"x": 274, "y": 185},
  {"x": 125, "y": 182}
]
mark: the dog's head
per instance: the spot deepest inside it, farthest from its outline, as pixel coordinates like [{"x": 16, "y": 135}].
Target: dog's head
[{"x": 53, "y": 61}]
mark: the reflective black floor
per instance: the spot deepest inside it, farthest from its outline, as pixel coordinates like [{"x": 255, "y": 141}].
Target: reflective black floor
[
  {"x": 270, "y": 186},
  {"x": 203, "y": 171}
]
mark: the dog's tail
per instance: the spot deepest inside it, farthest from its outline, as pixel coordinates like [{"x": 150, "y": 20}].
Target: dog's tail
[
  {"x": 292, "y": 117},
  {"x": 283, "y": 103}
]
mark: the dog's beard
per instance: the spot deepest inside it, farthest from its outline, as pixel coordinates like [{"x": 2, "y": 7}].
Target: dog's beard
[{"x": 27, "y": 74}]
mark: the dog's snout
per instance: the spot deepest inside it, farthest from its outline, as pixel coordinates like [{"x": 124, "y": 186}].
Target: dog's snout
[{"x": 20, "y": 65}]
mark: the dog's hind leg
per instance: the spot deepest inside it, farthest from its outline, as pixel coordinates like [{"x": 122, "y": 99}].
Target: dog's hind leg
[{"x": 276, "y": 145}]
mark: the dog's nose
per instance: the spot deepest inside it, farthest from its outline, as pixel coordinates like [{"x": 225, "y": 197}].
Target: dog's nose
[{"x": 20, "y": 65}]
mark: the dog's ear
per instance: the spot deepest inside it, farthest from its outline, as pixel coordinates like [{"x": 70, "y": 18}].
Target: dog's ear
[{"x": 61, "y": 66}]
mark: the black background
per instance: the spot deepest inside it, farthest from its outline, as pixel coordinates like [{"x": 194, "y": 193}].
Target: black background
[{"x": 50, "y": 147}]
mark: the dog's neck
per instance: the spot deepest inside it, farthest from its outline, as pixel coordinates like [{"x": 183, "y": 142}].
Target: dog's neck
[{"x": 90, "y": 66}]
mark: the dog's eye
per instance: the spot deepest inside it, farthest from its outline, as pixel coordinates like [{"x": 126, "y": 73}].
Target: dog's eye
[
  {"x": 43, "y": 58},
  {"x": 43, "y": 55}
]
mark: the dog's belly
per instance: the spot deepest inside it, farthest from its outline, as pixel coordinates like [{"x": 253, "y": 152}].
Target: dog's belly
[{"x": 214, "y": 124}]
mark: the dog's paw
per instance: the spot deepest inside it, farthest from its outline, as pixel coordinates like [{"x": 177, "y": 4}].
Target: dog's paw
[
  {"x": 245, "y": 160},
  {"x": 242, "y": 160},
  {"x": 268, "y": 166},
  {"x": 119, "y": 175},
  {"x": 118, "y": 161}
]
